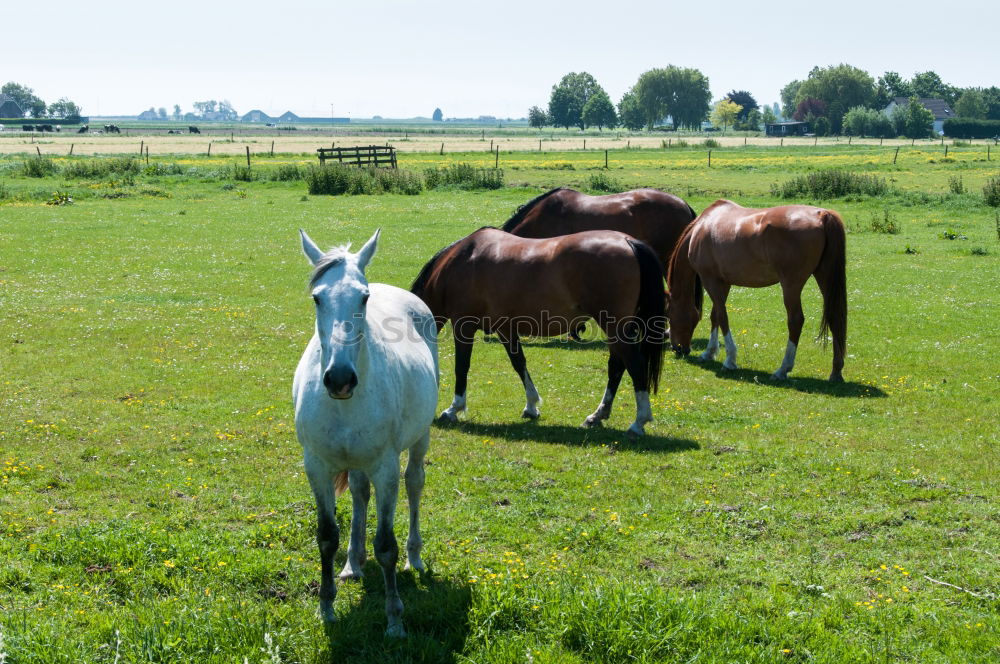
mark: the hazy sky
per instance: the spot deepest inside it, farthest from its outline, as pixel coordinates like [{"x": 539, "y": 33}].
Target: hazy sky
[{"x": 402, "y": 59}]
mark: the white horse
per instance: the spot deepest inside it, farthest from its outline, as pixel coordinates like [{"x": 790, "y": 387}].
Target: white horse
[{"x": 365, "y": 390}]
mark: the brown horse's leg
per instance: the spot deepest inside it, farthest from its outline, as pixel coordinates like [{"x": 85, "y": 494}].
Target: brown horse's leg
[
  {"x": 636, "y": 366},
  {"x": 838, "y": 326},
  {"x": 792, "y": 294},
  {"x": 718, "y": 290},
  {"x": 463, "y": 358},
  {"x": 512, "y": 344},
  {"x": 616, "y": 368}
]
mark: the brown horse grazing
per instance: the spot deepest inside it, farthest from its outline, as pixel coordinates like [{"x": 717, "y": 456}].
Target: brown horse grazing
[
  {"x": 655, "y": 217},
  {"x": 729, "y": 245},
  {"x": 513, "y": 287}
]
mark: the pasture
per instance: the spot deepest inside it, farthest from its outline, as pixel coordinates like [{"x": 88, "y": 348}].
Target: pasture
[{"x": 153, "y": 505}]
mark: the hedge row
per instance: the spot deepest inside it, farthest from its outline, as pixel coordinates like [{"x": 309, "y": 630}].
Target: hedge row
[{"x": 969, "y": 128}]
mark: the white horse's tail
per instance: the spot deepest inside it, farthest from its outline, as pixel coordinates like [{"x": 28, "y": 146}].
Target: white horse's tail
[{"x": 340, "y": 483}]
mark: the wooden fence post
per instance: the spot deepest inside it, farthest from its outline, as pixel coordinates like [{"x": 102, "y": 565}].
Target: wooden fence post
[
  {"x": 141, "y": 144},
  {"x": 147, "y": 155},
  {"x": 491, "y": 144},
  {"x": 709, "y": 158},
  {"x": 442, "y": 148},
  {"x": 605, "y": 159},
  {"x": 987, "y": 151},
  {"x": 585, "y": 144},
  {"x": 895, "y": 156},
  {"x": 782, "y": 141},
  {"x": 539, "y": 145},
  {"x": 38, "y": 150},
  {"x": 849, "y": 139},
  {"x": 946, "y": 152},
  {"x": 210, "y": 148},
  {"x": 248, "y": 156},
  {"x": 880, "y": 140},
  {"x": 272, "y": 148},
  {"x": 497, "y": 163}
]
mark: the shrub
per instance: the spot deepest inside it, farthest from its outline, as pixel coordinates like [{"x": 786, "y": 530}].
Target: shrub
[
  {"x": 337, "y": 179},
  {"x": 243, "y": 173},
  {"x": 157, "y": 168},
  {"x": 971, "y": 128},
  {"x": 991, "y": 191},
  {"x": 711, "y": 143},
  {"x": 464, "y": 176},
  {"x": 956, "y": 185},
  {"x": 38, "y": 167},
  {"x": 4, "y": 193},
  {"x": 884, "y": 223},
  {"x": 100, "y": 168},
  {"x": 286, "y": 173},
  {"x": 831, "y": 183},
  {"x": 603, "y": 182}
]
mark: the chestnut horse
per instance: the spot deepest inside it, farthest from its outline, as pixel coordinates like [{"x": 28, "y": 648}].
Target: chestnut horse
[
  {"x": 655, "y": 217},
  {"x": 514, "y": 287},
  {"x": 729, "y": 245}
]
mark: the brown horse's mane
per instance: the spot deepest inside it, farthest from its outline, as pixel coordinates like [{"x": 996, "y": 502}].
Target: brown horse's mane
[
  {"x": 428, "y": 269},
  {"x": 523, "y": 211},
  {"x": 682, "y": 245}
]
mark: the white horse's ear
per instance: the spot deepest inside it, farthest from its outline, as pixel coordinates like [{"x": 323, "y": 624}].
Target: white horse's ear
[
  {"x": 368, "y": 250},
  {"x": 312, "y": 252}
]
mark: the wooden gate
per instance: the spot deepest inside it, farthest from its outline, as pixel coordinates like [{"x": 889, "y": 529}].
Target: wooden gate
[{"x": 379, "y": 156}]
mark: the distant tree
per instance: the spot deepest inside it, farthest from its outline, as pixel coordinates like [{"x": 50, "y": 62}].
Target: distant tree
[
  {"x": 599, "y": 111},
  {"x": 629, "y": 113},
  {"x": 788, "y": 95},
  {"x": 23, "y": 95},
  {"x": 162, "y": 112},
  {"x": 37, "y": 108},
  {"x": 821, "y": 126},
  {"x": 437, "y": 115},
  {"x": 861, "y": 121},
  {"x": 835, "y": 114},
  {"x": 681, "y": 93},
  {"x": 971, "y": 105},
  {"x": 537, "y": 117},
  {"x": 745, "y": 100},
  {"x": 227, "y": 110},
  {"x": 568, "y": 98},
  {"x": 177, "y": 115},
  {"x": 929, "y": 85},
  {"x": 913, "y": 120},
  {"x": 889, "y": 86},
  {"x": 991, "y": 96},
  {"x": 769, "y": 116},
  {"x": 203, "y": 108},
  {"x": 64, "y": 108},
  {"x": 809, "y": 107},
  {"x": 725, "y": 113},
  {"x": 754, "y": 120},
  {"x": 838, "y": 83}
]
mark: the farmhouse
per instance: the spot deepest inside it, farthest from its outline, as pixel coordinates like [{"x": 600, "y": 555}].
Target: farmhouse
[
  {"x": 256, "y": 116},
  {"x": 9, "y": 108},
  {"x": 786, "y": 128},
  {"x": 939, "y": 107}
]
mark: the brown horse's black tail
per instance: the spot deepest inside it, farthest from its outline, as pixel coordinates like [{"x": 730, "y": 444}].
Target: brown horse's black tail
[
  {"x": 831, "y": 273},
  {"x": 651, "y": 313}
]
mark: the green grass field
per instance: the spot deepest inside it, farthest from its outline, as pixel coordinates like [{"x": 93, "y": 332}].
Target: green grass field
[{"x": 153, "y": 506}]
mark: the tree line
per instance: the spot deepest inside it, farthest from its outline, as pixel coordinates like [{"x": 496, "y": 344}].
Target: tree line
[
  {"x": 839, "y": 99},
  {"x": 33, "y": 105}
]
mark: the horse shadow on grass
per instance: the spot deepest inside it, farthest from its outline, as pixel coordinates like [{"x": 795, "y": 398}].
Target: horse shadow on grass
[
  {"x": 573, "y": 436},
  {"x": 798, "y": 383},
  {"x": 563, "y": 343},
  {"x": 435, "y": 615}
]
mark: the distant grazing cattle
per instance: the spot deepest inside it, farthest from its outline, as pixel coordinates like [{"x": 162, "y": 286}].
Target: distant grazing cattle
[
  {"x": 112, "y": 129},
  {"x": 44, "y": 127},
  {"x": 27, "y": 127},
  {"x": 193, "y": 130},
  {"x": 271, "y": 124},
  {"x": 83, "y": 130}
]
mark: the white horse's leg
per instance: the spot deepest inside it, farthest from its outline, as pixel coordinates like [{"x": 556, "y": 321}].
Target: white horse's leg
[
  {"x": 730, "y": 362},
  {"x": 463, "y": 358},
  {"x": 532, "y": 399},
  {"x": 327, "y": 532},
  {"x": 787, "y": 363},
  {"x": 356, "y": 556},
  {"x": 386, "y": 480},
  {"x": 713, "y": 345},
  {"x": 643, "y": 415},
  {"x": 414, "y": 487}
]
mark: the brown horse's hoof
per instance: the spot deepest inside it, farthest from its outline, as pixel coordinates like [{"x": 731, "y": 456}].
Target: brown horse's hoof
[{"x": 836, "y": 378}]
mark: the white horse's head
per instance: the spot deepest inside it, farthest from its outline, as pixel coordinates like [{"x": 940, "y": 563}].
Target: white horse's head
[{"x": 340, "y": 290}]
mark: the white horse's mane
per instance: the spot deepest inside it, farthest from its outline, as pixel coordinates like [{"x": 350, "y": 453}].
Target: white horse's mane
[{"x": 330, "y": 259}]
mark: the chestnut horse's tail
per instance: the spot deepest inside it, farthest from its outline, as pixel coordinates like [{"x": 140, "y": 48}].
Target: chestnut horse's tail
[
  {"x": 340, "y": 483},
  {"x": 831, "y": 274},
  {"x": 651, "y": 312}
]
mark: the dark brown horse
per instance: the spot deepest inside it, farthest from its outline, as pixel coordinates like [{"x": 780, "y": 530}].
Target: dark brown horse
[
  {"x": 655, "y": 217},
  {"x": 514, "y": 287},
  {"x": 729, "y": 245}
]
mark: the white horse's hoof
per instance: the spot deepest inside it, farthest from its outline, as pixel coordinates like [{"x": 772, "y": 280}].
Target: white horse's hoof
[
  {"x": 778, "y": 375},
  {"x": 729, "y": 366},
  {"x": 706, "y": 356},
  {"x": 530, "y": 414},
  {"x": 396, "y": 632},
  {"x": 351, "y": 574},
  {"x": 448, "y": 417},
  {"x": 593, "y": 422},
  {"x": 415, "y": 565},
  {"x": 634, "y": 432}
]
